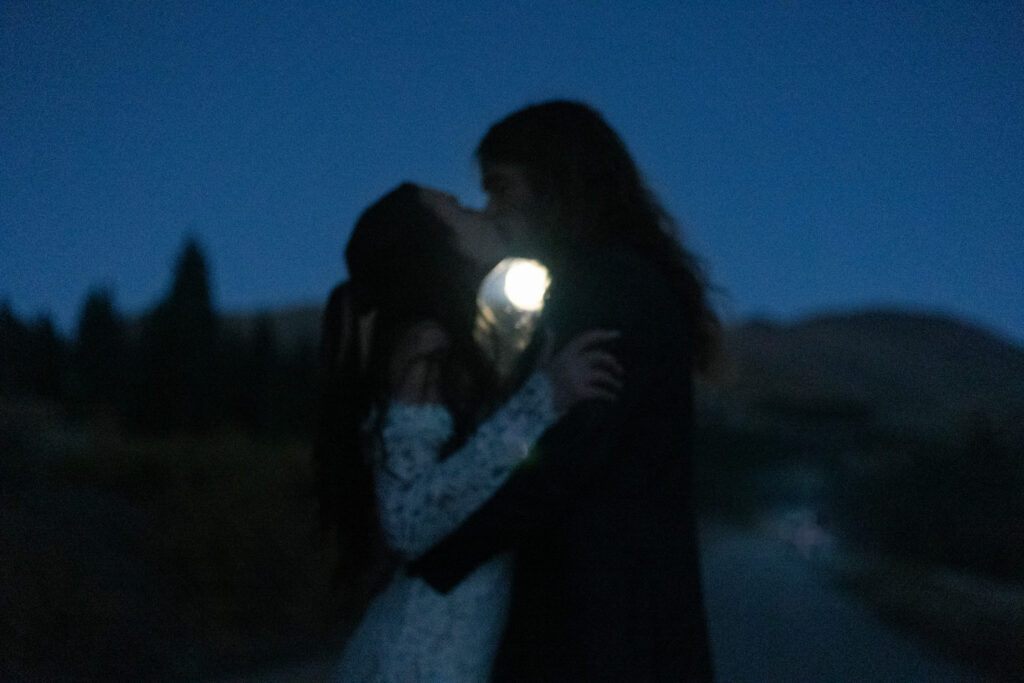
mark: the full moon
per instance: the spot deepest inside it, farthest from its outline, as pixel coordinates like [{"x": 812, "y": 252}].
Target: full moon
[{"x": 526, "y": 282}]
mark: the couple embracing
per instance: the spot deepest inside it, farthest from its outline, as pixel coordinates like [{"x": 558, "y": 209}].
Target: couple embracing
[{"x": 532, "y": 520}]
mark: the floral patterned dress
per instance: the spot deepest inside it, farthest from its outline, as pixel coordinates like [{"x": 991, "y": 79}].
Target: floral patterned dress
[{"x": 411, "y": 632}]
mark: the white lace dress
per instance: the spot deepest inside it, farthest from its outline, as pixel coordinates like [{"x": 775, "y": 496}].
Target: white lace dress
[{"x": 410, "y": 632}]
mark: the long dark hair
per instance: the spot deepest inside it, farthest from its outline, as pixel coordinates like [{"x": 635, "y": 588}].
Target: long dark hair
[
  {"x": 404, "y": 269},
  {"x": 590, "y": 187}
]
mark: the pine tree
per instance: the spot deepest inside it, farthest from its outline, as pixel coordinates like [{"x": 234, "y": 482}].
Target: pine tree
[
  {"x": 99, "y": 353},
  {"x": 179, "y": 387},
  {"x": 33, "y": 357},
  {"x": 46, "y": 359}
]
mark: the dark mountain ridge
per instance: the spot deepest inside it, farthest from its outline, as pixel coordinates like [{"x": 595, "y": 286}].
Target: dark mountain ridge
[
  {"x": 906, "y": 370},
  {"x": 893, "y": 368}
]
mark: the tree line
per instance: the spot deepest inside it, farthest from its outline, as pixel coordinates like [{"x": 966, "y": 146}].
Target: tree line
[{"x": 175, "y": 369}]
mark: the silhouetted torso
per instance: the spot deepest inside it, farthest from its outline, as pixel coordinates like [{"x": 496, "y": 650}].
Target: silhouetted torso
[{"x": 607, "y": 583}]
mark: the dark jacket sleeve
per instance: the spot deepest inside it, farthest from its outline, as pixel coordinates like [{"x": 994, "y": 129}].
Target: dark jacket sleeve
[{"x": 609, "y": 291}]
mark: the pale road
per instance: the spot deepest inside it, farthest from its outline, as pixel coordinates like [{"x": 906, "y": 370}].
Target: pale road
[{"x": 773, "y": 617}]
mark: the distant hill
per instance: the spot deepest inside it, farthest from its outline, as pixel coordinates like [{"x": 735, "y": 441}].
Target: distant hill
[{"x": 908, "y": 370}]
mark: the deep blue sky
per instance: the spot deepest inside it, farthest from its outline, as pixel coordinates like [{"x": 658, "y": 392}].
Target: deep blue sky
[{"x": 819, "y": 155}]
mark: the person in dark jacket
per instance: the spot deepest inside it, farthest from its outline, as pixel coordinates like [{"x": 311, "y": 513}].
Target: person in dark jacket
[{"x": 607, "y": 581}]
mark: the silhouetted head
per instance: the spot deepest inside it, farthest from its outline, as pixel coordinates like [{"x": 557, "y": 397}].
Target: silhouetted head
[
  {"x": 408, "y": 258},
  {"x": 559, "y": 178}
]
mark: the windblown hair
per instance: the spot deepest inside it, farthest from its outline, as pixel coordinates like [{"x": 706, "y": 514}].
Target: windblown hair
[
  {"x": 592, "y": 193},
  {"x": 404, "y": 269}
]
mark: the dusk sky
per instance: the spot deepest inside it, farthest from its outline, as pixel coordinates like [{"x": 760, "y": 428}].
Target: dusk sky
[{"x": 818, "y": 155}]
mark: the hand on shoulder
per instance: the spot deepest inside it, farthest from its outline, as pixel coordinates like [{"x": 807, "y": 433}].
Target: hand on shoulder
[{"x": 585, "y": 370}]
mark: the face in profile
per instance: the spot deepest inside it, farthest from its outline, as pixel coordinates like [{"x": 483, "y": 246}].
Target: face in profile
[
  {"x": 476, "y": 236},
  {"x": 511, "y": 202}
]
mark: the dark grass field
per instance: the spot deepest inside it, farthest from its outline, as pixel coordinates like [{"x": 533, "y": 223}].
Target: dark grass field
[
  {"x": 199, "y": 558},
  {"x": 962, "y": 616},
  {"x": 181, "y": 558}
]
